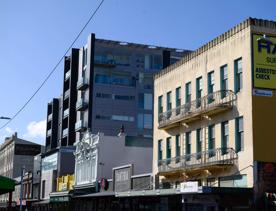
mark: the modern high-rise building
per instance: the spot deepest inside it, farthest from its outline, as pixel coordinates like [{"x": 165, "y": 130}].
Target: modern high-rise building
[
  {"x": 108, "y": 86},
  {"x": 214, "y": 119}
]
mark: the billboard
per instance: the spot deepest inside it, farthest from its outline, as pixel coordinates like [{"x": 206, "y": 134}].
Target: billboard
[{"x": 264, "y": 61}]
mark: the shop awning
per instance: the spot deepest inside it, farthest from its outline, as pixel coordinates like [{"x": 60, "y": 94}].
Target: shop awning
[{"x": 6, "y": 185}]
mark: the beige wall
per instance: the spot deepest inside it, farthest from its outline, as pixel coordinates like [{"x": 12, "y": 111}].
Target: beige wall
[{"x": 223, "y": 53}]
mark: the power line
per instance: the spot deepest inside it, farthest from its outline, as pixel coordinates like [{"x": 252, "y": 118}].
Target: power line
[{"x": 54, "y": 69}]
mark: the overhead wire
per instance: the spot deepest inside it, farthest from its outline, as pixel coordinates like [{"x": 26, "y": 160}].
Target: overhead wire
[{"x": 54, "y": 69}]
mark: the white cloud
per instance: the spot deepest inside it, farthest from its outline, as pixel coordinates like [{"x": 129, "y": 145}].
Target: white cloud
[
  {"x": 6, "y": 133},
  {"x": 36, "y": 131},
  {"x": 9, "y": 130}
]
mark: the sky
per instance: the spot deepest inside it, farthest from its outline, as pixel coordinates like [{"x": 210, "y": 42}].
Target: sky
[{"x": 35, "y": 34}]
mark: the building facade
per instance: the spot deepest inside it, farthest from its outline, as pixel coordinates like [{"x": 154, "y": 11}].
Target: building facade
[
  {"x": 55, "y": 164},
  {"x": 213, "y": 111},
  {"x": 96, "y": 156}
]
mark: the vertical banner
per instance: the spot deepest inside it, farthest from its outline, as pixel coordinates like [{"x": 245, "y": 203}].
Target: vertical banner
[{"x": 264, "y": 61}]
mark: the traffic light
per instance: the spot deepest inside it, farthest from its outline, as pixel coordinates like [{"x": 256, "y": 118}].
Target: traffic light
[{"x": 270, "y": 201}]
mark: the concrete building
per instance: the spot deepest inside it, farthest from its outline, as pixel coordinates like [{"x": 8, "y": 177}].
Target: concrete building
[
  {"x": 107, "y": 84},
  {"x": 97, "y": 155},
  {"x": 54, "y": 164},
  {"x": 16, "y": 153},
  {"x": 214, "y": 115}
]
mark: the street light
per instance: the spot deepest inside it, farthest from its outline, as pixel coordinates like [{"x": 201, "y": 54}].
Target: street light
[{"x": 4, "y": 117}]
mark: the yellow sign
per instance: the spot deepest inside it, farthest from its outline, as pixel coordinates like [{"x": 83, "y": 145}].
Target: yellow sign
[{"x": 264, "y": 61}]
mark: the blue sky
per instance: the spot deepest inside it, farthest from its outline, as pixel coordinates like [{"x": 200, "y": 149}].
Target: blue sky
[{"x": 34, "y": 34}]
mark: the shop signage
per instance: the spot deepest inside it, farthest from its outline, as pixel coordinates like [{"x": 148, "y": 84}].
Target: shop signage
[
  {"x": 189, "y": 187},
  {"x": 264, "y": 61},
  {"x": 262, "y": 92},
  {"x": 122, "y": 178}
]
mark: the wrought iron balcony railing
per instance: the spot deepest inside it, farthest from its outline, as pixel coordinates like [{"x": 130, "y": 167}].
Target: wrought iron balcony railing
[
  {"x": 210, "y": 104},
  {"x": 204, "y": 159}
]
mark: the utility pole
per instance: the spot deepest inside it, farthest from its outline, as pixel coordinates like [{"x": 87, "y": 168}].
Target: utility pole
[{"x": 21, "y": 186}]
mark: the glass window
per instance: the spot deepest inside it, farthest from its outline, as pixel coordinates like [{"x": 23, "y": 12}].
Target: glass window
[
  {"x": 238, "y": 74},
  {"x": 169, "y": 148},
  {"x": 148, "y": 101},
  {"x": 160, "y": 149},
  {"x": 145, "y": 101},
  {"x": 239, "y": 134},
  {"x": 224, "y": 137},
  {"x": 188, "y": 145},
  {"x": 178, "y": 96},
  {"x": 233, "y": 181},
  {"x": 211, "y": 140},
  {"x": 84, "y": 57},
  {"x": 211, "y": 83},
  {"x": 178, "y": 100},
  {"x": 188, "y": 92},
  {"x": 177, "y": 145},
  {"x": 169, "y": 104},
  {"x": 153, "y": 62},
  {"x": 141, "y": 100},
  {"x": 102, "y": 79},
  {"x": 223, "y": 80},
  {"x": 140, "y": 121},
  {"x": 160, "y": 107},
  {"x": 148, "y": 121},
  {"x": 198, "y": 91},
  {"x": 199, "y": 142},
  {"x": 145, "y": 121},
  {"x": 122, "y": 118}
]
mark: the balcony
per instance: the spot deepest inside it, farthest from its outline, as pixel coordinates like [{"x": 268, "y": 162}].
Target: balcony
[
  {"x": 50, "y": 117},
  {"x": 83, "y": 84},
  {"x": 67, "y": 75},
  {"x": 66, "y": 113},
  {"x": 65, "y": 132},
  {"x": 80, "y": 126},
  {"x": 66, "y": 94},
  {"x": 196, "y": 163},
  {"x": 81, "y": 105},
  {"x": 209, "y": 105},
  {"x": 49, "y": 132}
]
